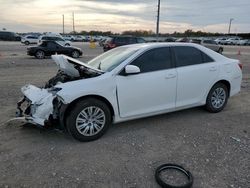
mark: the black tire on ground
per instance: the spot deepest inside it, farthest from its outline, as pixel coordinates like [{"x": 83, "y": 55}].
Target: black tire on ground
[
  {"x": 75, "y": 54},
  {"x": 40, "y": 54},
  {"x": 219, "y": 88},
  {"x": 27, "y": 43},
  {"x": 75, "y": 113}
]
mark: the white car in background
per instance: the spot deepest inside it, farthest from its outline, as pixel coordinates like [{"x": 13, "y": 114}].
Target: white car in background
[
  {"x": 220, "y": 40},
  {"x": 29, "y": 39},
  {"x": 58, "y": 39},
  {"x": 131, "y": 82},
  {"x": 232, "y": 41},
  {"x": 68, "y": 37},
  {"x": 79, "y": 38},
  {"x": 242, "y": 42}
]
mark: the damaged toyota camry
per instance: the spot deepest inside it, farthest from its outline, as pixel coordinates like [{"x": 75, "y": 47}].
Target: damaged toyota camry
[{"x": 130, "y": 82}]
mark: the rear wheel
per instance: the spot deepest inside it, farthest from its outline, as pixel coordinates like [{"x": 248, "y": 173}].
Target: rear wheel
[
  {"x": 27, "y": 43},
  {"x": 40, "y": 54},
  {"x": 88, "y": 120},
  {"x": 75, "y": 54},
  {"x": 217, "y": 98}
]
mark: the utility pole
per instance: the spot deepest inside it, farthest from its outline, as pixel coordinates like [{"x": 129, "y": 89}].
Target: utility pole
[
  {"x": 230, "y": 23},
  {"x": 73, "y": 22},
  {"x": 158, "y": 19},
  {"x": 63, "y": 23}
]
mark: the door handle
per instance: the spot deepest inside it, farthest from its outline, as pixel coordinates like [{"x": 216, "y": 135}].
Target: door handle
[
  {"x": 170, "y": 76},
  {"x": 212, "y": 69}
]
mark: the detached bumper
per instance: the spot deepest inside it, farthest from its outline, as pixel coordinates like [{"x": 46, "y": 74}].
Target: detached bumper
[{"x": 38, "y": 105}]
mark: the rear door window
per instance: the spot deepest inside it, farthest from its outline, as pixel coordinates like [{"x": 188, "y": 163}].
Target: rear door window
[{"x": 187, "y": 55}]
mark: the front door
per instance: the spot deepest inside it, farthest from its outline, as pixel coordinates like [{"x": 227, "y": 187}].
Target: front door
[{"x": 153, "y": 89}]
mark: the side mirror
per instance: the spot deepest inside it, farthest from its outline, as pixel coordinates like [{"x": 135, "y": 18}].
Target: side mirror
[{"x": 132, "y": 69}]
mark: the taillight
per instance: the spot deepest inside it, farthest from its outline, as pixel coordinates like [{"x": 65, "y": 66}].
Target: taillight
[
  {"x": 111, "y": 45},
  {"x": 240, "y": 65}
]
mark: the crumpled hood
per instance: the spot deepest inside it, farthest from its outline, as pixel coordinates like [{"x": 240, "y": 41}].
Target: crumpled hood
[{"x": 67, "y": 65}]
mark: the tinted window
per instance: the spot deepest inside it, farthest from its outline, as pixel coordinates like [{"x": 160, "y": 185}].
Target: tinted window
[
  {"x": 186, "y": 55},
  {"x": 121, "y": 40},
  {"x": 51, "y": 45},
  {"x": 153, "y": 60},
  {"x": 140, "y": 40},
  {"x": 206, "y": 58},
  {"x": 131, "y": 40}
]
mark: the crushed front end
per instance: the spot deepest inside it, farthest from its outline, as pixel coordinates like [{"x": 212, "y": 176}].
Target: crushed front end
[{"x": 38, "y": 105}]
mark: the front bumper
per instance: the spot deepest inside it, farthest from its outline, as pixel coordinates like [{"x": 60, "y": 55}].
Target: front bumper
[{"x": 38, "y": 105}]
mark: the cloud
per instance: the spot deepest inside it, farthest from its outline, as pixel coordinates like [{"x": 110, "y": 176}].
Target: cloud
[{"x": 119, "y": 15}]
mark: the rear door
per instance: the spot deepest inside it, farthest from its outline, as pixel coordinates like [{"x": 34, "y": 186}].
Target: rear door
[{"x": 196, "y": 72}]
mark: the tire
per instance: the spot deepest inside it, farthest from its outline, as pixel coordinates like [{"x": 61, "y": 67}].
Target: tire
[
  {"x": 27, "y": 43},
  {"x": 220, "y": 50},
  {"x": 98, "y": 119},
  {"x": 217, "y": 98},
  {"x": 40, "y": 54},
  {"x": 75, "y": 54}
]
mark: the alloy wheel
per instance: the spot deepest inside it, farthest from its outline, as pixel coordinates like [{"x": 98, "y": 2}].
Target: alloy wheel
[
  {"x": 90, "y": 121},
  {"x": 218, "y": 97}
]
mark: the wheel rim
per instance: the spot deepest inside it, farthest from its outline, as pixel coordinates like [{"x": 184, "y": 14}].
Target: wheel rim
[
  {"x": 218, "y": 97},
  {"x": 40, "y": 54},
  {"x": 90, "y": 121},
  {"x": 75, "y": 54}
]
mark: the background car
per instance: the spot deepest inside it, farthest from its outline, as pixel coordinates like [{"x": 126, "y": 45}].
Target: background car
[
  {"x": 47, "y": 48},
  {"x": 242, "y": 42},
  {"x": 221, "y": 40},
  {"x": 54, "y": 38},
  {"x": 68, "y": 37},
  {"x": 232, "y": 41},
  {"x": 208, "y": 43},
  {"x": 116, "y": 41},
  {"x": 79, "y": 38},
  {"x": 9, "y": 36},
  {"x": 29, "y": 39}
]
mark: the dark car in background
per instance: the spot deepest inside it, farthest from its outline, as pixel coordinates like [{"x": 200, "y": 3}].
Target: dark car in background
[
  {"x": 116, "y": 41},
  {"x": 48, "y": 48},
  {"x": 9, "y": 36}
]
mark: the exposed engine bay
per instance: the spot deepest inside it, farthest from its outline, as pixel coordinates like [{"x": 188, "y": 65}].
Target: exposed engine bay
[
  {"x": 42, "y": 104},
  {"x": 69, "y": 70}
]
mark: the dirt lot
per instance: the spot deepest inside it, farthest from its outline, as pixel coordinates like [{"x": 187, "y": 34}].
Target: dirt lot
[{"x": 214, "y": 147}]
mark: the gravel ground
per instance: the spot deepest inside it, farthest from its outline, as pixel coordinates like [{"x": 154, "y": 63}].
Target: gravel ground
[{"x": 214, "y": 147}]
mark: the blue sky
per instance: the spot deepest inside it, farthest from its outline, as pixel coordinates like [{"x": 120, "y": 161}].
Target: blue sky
[{"x": 120, "y": 15}]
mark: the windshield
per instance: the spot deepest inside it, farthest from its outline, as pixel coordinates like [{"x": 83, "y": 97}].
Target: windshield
[{"x": 111, "y": 59}]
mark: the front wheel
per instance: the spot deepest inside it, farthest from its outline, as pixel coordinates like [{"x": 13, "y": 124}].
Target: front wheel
[
  {"x": 88, "y": 120},
  {"x": 75, "y": 54},
  {"x": 217, "y": 98}
]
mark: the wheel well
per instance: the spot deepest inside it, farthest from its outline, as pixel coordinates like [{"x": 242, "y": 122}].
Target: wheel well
[
  {"x": 227, "y": 84},
  {"x": 70, "y": 106}
]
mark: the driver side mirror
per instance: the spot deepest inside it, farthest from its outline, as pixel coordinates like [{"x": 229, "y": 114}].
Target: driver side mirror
[{"x": 132, "y": 69}]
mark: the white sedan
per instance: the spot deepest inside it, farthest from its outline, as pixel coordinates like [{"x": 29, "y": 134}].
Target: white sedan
[{"x": 131, "y": 82}]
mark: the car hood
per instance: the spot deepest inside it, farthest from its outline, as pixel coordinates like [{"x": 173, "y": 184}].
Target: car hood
[{"x": 67, "y": 65}]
